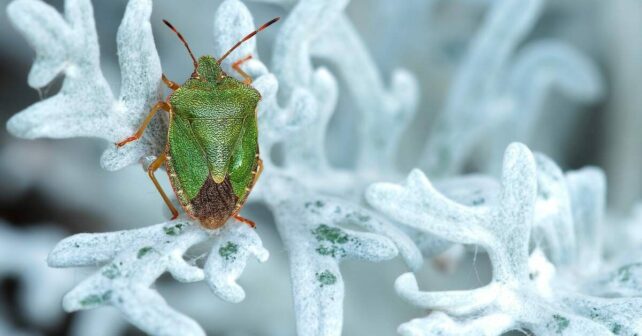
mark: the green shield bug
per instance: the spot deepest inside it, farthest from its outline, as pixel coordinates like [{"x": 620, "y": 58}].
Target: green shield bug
[{"x": 211, "y": 153}]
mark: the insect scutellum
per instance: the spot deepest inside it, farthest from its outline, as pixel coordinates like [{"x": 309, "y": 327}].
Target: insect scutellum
[{"x": 212, "y": 154}]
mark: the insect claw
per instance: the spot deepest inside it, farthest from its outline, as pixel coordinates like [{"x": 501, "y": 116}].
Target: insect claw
[
  {"x": 124, "y": 142},
  {"x": 244, "y": 221}
]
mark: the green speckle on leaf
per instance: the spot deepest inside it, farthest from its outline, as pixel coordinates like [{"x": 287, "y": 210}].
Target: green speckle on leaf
[
  {"x": 331, "y": 234},
  {"x": 560, "y": 323},
  {"x": 111, "y": 271},
  {"x": 174, "y": 230},
  {"x": 143, "y": 251},
  {"x": 478, "y": 201},
  {"x": 314, "y": 207},
  {"x": 317, "y": 204},
  {"x": 93, "y": 300},
  {"x": 361, "y": 217},
  {"x": 616, "y": 328},
  {"x": 326, "y": 278},
  {"x": 358, "y": 216},
  {"x": 626, "y": 273},
  {"x": 228, "y": 250},
  {"x": 330, "y": 238},
  {"x": 324, "y": 250},
  {"x": 332, "y": 250}
]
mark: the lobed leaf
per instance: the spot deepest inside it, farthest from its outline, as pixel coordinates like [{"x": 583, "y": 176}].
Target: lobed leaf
[
  {"x": 312, "y": 232},
  {"x": 131, "y": 261},
  {"x": 526, "y": 291},
  {"x": 86, "y": 106}
]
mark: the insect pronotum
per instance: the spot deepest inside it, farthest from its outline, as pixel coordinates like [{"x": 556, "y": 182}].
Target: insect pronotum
[{"x": 211, "y": 153}]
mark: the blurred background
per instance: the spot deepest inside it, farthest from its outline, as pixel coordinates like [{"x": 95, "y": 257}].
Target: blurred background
[{"x": 53, "y": 188}]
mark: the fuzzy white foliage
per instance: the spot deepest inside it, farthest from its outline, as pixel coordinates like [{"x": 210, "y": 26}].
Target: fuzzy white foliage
[
  {"x": 379, "y": 107},
  {"x": 497, "y": 94},
  {"x": 133, "y": 260},
  {"x": 553, "y": 218},
  {"x": 316, "y": 206},
  {"x": 526, "y": 291},
  {"x": 26, "y": 262},
  {"x": 86, "y": 106},
  {"x": 23, "y": 256},
  {"x": 587, "y": 191},
  {"x": 307, "y": 218},
  {"x": 539, "y": 68},
  {"x": 309, "y": 211}
]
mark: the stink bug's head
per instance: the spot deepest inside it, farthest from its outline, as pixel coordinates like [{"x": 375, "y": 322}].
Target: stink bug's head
[{"x": 207, "y": 68}]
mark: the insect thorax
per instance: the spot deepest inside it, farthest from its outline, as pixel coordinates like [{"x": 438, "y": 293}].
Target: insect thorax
[{"x": 214, "y": 95}]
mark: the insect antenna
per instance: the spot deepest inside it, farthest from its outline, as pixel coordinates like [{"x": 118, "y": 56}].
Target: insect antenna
[
  {"x": 247, "y": 37},
  {"x": 184, "y": 42}
]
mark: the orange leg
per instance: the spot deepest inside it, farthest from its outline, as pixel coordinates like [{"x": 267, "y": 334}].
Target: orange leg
[
  {"x": 244, "y": 220},
  {"x": 139, "y": 133},
  {"x": 237, "y": 66},
  {"x": 169, "y": 83},
  {"x": 150, "y": 171}
]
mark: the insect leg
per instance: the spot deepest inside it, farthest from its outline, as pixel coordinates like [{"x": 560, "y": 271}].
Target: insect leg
[
  {"x": 244, "y": 220},
  {"x": 150, "y": 171},
  {"x": 171, "y": 84},
  {"x": 139, "y": 133},
  {"x": 247, "y": 79}
]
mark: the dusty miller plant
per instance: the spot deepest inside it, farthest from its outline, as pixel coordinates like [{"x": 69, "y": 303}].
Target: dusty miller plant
[
  {"x": 499, "y": 90},
  {"x": 539, "y": 226},
  {"x": 309, "y": 212},
  {"x": 553, "y": 284}
]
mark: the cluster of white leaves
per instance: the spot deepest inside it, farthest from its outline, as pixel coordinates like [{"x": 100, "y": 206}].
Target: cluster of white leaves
[
  {"x": 23, "y": 254},
  {"x": 497, "y": 93},
  {"x": 539, "y": 226},
  {"x": 541, "y": 233},
  {"x": 311, "y": 200},
  {"x": 86, "y": 106},
  {"x": 133, "y": 260}
]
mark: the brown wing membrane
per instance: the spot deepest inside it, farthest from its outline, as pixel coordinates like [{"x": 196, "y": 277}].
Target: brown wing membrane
[{"x": 214, "y": 203}]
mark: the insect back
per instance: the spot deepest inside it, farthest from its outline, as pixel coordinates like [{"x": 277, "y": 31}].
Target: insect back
[{"x": 211, "y": 154}]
